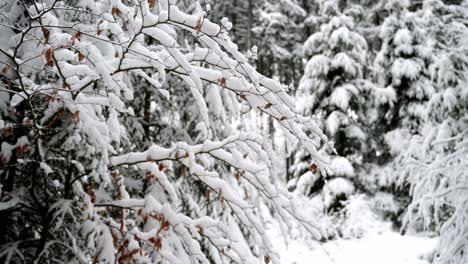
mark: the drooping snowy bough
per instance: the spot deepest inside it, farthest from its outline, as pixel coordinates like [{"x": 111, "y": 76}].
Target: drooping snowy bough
[
  {"x": 117, "y": 143},
  {"x": 433, "y": 162}
]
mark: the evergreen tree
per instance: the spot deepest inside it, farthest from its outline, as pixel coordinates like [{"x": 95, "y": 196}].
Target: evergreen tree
[
  {"x": 332, "y": 89},
  {"x": 401, "y": 65},
  {"x": 278, "y": 34},
  {"x": 434, "y": 161}
]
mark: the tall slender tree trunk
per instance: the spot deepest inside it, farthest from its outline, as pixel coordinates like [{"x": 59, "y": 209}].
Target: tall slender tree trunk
[
  {"x": 250, "y": 23},
  {"x": 7, "y": 180},
  {"x": 46, "y": 221},
  {"x": 147, "y": 116}
]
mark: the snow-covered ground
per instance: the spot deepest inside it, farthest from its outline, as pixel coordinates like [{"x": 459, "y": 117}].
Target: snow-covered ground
[{"x": 385, "y": 248}]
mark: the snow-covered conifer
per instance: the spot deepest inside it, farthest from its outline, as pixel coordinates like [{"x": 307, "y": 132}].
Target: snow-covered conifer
[
  {"x": 333, "y": 90},
  {"x": 435, "y": 161}
]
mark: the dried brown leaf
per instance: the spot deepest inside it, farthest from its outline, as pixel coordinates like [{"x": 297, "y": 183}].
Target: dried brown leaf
[
  {"x": 314, "y": 168},
  {"x": 80, "y": 56},
  {"x": 152, "y": 3},
  {"x": 5, "y": 70},
  {"x": 78, "y": 35},
  {"x": 46, "y": 35},
  {"x": 115, "y": 11},
  {"x": 222, "y": 82},
  {"x": 158, "y": 244},
  {"x": 76, "y": 117},
  {"x": 199, "y": 25},
  {"x": 48, "y": 54}
]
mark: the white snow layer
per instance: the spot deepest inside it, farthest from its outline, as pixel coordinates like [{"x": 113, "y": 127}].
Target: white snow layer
[
  {"x": 342, "y": 167},
  {"x": 388, "y": 247}
]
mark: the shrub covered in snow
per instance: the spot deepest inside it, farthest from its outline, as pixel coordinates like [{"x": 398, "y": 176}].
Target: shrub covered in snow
[
  {"x": 117, "y": 137},
  {"x": 360, "y": 218}
]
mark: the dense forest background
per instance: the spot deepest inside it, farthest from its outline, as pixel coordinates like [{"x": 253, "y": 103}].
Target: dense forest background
[
  {"x": 171, "y": 131},
  {"x": 386, "y": 81}
]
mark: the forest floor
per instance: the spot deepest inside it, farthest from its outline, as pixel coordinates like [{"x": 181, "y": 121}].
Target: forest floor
[{"x": 388, "y": 247}]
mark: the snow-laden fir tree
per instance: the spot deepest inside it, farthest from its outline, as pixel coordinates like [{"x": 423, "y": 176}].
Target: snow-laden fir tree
[
  {"x": 118, "y": 141},
  {"x": 402, "y": 66},
  {"x": 434, "y": 162},
  {"x": 401, "y": 70},
  {"x": 332, "y": 90},
  {"x": 278, "y": 33}
]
